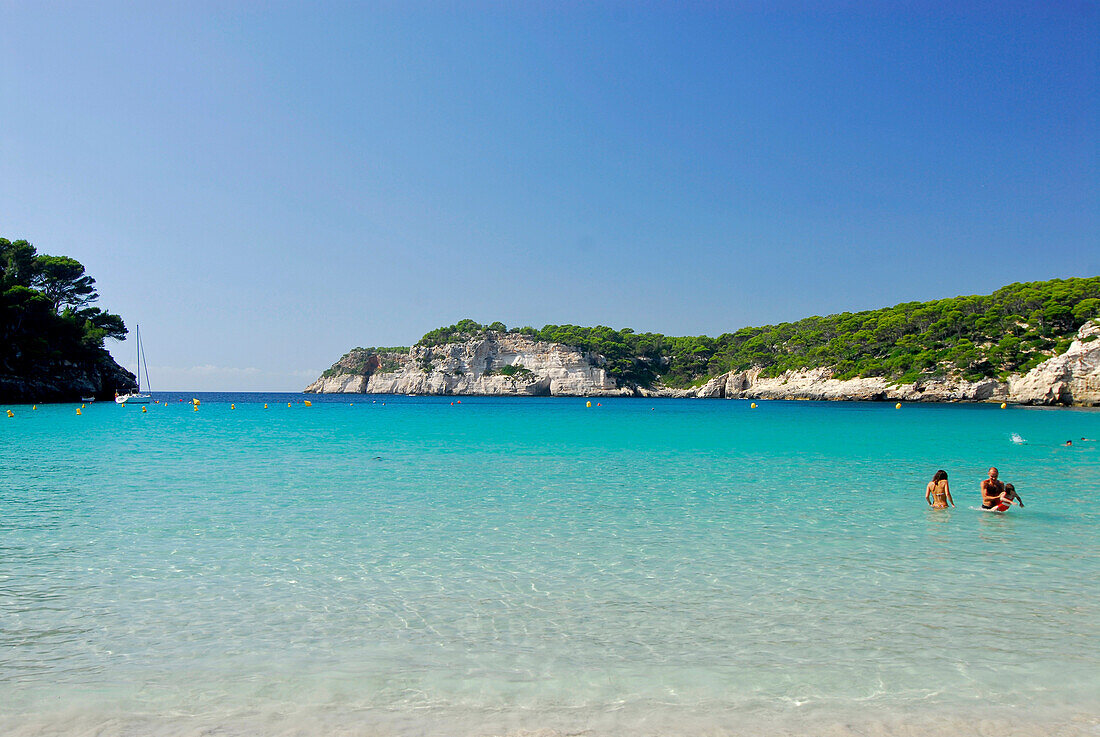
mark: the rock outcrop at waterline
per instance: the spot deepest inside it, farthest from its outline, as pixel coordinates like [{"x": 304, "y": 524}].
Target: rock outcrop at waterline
[
  {"x": 495, "y": 364},
  {"x": 819, "y": 384},
  {"x": 516, "y": 365},
  {"x": 1071, "y": 378},
  {"x": 68, "y": 381}
]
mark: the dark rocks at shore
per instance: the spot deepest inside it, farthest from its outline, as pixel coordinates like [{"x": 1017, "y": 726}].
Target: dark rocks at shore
[{"x": 68, "y": 381}]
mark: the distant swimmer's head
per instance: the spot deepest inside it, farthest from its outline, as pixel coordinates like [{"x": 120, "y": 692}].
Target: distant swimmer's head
[
  {"x": 1069, "y": 442},
  {"x": 993, "y": 473},
  {"x": 940, "y": 475}
]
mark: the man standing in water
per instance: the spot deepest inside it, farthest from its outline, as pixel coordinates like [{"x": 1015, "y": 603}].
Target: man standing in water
[{"x": 992, "y": 490}]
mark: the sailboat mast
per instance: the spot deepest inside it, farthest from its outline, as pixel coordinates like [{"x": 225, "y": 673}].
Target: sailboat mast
[
  {"x": 145, "y": 364},
  {"x": 137, "y": 350}
]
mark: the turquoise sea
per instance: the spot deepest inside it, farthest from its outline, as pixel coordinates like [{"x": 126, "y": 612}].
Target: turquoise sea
[{"x": 409, "y": 566}]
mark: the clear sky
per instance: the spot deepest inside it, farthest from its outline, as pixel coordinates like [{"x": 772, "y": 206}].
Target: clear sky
[{"x": 263, "y": 186}]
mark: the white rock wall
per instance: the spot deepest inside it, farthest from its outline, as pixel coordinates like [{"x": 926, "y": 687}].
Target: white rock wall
[
  {"x": 1071, "y": 378},
  {"x": 474, "y": 367}
]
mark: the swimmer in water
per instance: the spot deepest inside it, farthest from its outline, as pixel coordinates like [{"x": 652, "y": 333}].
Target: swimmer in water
[
  {"x": 938, "y": 493},
  {"x": 992, "y": 489},
  {"x": 1068, "y": 443},
  {"x": 1011, "y": 497}
]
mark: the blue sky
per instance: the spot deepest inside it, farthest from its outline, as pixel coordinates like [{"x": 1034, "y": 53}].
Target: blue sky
[{"x": 264, "y": 185}]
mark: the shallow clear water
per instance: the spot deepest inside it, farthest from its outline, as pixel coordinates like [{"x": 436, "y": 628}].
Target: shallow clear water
[{"x": 393, "y": 565}]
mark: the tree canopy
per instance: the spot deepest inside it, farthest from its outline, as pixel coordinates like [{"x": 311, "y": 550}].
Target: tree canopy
[{"x": 45, "y": 312}]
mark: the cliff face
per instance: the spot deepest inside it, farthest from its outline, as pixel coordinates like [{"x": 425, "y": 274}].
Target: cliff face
[
  {"x": 68, "y": 381},
  {"x": 819, "y": 384},
  {"x": 1071, "y": 378},
  {"x": 539, "y": 368},
  {"x": 498, "y": 364}
]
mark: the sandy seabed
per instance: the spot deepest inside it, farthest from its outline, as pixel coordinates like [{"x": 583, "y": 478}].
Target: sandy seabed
[{"x": 633, "y": 722}]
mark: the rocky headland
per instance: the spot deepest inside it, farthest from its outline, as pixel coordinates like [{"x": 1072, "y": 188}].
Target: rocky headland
[
  {"x": 509, "y": 364},
  {"x": 496, "y": 364},
  {"x": 51, "y": 337}
]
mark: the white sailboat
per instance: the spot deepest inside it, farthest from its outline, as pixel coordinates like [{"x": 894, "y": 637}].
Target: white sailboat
[{"x": 136, "y": 397}]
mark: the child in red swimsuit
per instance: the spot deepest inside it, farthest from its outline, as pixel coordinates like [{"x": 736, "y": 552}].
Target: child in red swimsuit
[{"x": 1008, "y": 498}]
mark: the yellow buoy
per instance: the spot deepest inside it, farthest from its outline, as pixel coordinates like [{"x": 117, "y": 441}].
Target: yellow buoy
[
  {"x": 10, "y": 413},
  {"x": 35, "y": 407},
  {"x": 897, "y": 406},
  {"x": 308, "y": 403},
  {"x": 196, "y": 408},
  {"x": 83, "y": 406},
  {"x": 752, "y": 406},
  {"x": 587, "y": 404},
  {"x": 1003, "y": 405},
  {"x": 265, "y": 405},
  {"x": 143, "y": 409},
  {"x": 288, "y": 404},
  {"x": 232, "y": 406},
  {"x": 78, "y": 411},
  {"x": 196, "y": 402}
]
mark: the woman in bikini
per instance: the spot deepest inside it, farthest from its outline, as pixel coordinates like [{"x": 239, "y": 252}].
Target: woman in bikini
[{"x": 938, "y": 493}]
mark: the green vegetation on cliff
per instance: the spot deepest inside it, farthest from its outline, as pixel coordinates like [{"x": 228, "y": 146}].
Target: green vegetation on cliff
[
  {"x": 51, "y": 336},
  {"x": 1009, "y": 331},
  {"x": 366, "y": 361}
]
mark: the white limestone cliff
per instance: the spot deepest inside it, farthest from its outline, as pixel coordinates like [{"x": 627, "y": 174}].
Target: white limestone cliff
[
  {"x": 475, "y": 367},
  {"x": 1071, "y": 378},
  {"x": 819, "y": 384}
]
